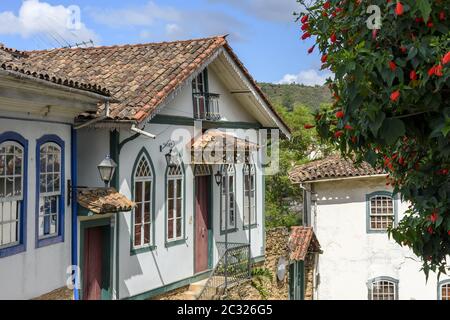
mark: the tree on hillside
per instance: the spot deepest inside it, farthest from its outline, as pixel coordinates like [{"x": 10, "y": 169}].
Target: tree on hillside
[{"x": 391, "y": 88}]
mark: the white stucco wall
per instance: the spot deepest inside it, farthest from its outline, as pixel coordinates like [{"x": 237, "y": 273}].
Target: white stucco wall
[
  {"x": 37, "y": 270},
  {"x": 351, "y": 256}
]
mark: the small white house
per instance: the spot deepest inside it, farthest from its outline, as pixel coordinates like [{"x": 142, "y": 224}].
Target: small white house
[
  {"x": 171, "y": 101},
  {"x": 350, "y": 209},
  {"x": 37, "y": 113}
]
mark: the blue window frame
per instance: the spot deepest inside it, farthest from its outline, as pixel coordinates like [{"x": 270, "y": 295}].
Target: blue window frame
[
  {"x": 13, "y": 193},
  {"x": 444, "y": 290},
  {"x": 50, "y": 181},
  {"x": 383, "y": 288},
  {"x": 382, "y": 211}
]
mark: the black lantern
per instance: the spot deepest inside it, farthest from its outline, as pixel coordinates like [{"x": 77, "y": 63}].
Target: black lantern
[
  {"x": 107, "y": 168},
  {"x": 171, "y": 159},
  {"x": 218, "y": 177}
]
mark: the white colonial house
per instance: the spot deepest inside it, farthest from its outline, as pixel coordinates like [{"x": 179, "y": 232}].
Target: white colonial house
[
  {"x": 350, "y": 208},
  {"x": 37, "y": 149},
  {"x": 186, "y": 127}
]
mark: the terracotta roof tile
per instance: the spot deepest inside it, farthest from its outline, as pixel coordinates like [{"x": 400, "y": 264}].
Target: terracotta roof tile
[
  {"x": 137, "y": 75},
  {"x": 330, "y": 168},
  {"x": 104, "y": 200},
  {"x": 301, "y": 241}
]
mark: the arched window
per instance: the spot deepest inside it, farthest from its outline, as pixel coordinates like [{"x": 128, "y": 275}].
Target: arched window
[
  {"x": 249, "y": 195},
  {"x": 381, "y": 211},
  {"x": 444, "y": 290},
  {"x": 11, "y": 192},
  {"x": 383, "y": 288},
  {"x": 143, "y": 195},
  {"x": 50, "y": 199},
  {"x": 228, "y": 199},
  {"x": 175, "y": 204}
]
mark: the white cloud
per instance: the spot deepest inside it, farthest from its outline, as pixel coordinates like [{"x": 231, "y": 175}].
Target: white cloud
[
  {"x": 146, "y": 15},
  {"x": 309, "y": 77},
  {"x": 44, "y": 22}
]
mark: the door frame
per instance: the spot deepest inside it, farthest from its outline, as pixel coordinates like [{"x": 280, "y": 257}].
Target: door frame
[
  {"x": 297, "y": 280},
  {"x": 210, "y": 225},
  {"x": 107, "y": 268}
]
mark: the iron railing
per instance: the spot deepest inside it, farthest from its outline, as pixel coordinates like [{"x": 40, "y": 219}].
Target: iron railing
[
  {"x": 206, "y": 106},
  {"x": 232, "y": 268}
]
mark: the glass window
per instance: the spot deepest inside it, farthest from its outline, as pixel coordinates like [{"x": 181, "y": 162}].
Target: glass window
[
  {"x": 49, "y": 190},
  {"x": 228, "y": 198},
  {"x": 383, "y": 289},
  {"x": 143, "y": 197},
  {"x": 381, "y": 212},
  {"x": 199, "y": 94},
  {"x": 444, "y": 290},
  {"x": 249, "y": 194},
  {"x": 175, "y": 194},
  {"x": 11, "y": 192}
]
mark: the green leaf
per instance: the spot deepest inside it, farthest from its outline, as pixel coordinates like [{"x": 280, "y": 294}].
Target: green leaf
[
  {"x": 376, "y": 123},
  {"x": 425, "y": 8},
  {"x": 392, "y": 129}
]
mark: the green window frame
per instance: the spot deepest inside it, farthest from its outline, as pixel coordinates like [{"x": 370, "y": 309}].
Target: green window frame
[
  {"x": 383, "y": 288},
  {"x": 143, "y": 192},
  {"x": 228, "y": 199},
  {"x": 175, "y": 205},
  {"x": 297, "y": 280},
  {"x": 380, "y": 207},
  {"x": 249, "y": 199}
]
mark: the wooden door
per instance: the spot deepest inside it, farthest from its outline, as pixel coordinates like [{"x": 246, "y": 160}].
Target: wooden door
[
  {"x": 93, "y": 256},
  {"x": 201, "y": 223}
]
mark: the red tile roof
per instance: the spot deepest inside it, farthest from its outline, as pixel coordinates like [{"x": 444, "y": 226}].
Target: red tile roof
[
  {"x": 331, "y": 168},
  {"x": 13, "y": 61},
  {"x": 104, "y": 200},
  {"x": 140, "y": 76},
  {"x": 302, "y": 241}
]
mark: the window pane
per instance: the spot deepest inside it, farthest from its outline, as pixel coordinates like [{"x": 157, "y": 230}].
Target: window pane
[
  {"x": 9, "y": 165},
  {"x": 179, "y": 226},
  {"x": 147, "y": 190},
  {"x": 170, "y": 209},
  {"x": 138, "y": 214},
  {"x": 9, "y": 187},
  {"x": 137, "y": 235},
  {"x": 146, "y": 233},
  {"x": 170, "y": 229},
  {"x": 147, "y": 212},
  {"x": 170, "y": 189},
  {"x": 179, "y": 188},
  {"x": 179, "y": 208},
  {"x": 42, "y": 182},
  {"x": 138, "y": 192}
]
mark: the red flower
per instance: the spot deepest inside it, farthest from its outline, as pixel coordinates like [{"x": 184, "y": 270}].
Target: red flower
[
  {"x": 413, "y": 75},
  {"x": 443, "y": 172},
  {"x": 340, "y": 114},
  {"x": 392, "y": 65},
  {"x": 327, "y": 5},
  {"x": 442, "y": 15},
  {"x": 333, "y": 38},
  {"x": 430, "y": 24},
  {"x": 430, "y": 230},
  {"x": 401, "y": 161},
  {"x": 348, "y": 127},
  {"x": 306, "y": 35},
  {"x": 305, "y": 27},
  {"x": 438, "y": 70},
  {"x": 434, "y": 216},
  {"x": 446, "y": 58},
  {"x": 431, "y": 71},
  {"x": 324, "y": 58},
  {"x": 448, "y": 232},
  {"x": 304, "y": 19},
  {"x": 338, "y": 134},
  {"x": 308, "y": 126},
  {"x": 395, "y": 95},
  {"x": 374, "y": 33},
  {"x": 403, "y": 49},
  {"x": 399, "y": 8},
  {"x": 354, "y": 139},
  {"x": 418, "y": 20}
]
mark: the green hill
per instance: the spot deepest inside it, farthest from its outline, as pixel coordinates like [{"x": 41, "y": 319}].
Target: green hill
[{"x": 289, "y": 95}]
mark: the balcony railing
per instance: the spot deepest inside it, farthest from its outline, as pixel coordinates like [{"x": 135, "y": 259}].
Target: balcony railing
[{"x": 206, "y": 106}]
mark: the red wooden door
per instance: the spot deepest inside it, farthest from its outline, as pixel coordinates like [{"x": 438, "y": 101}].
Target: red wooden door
[
  {"x": 93, "y": 249},
  {"x": 201, "y": 224}
]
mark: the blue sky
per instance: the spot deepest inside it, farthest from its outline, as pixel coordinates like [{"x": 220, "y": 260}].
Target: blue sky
[{"x": 262, "y": 32}]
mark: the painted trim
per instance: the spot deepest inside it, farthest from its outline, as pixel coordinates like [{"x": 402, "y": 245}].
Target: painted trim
[
  {"x": 173, "y": 243},
  {"x": 133, "y": 251},
  {"x": 187, "y": 121},
  {"x": 106, "y": 223},
  {"x": 22, "y": 246},
  {"x": 37, "y": 120},
  {"x": 253, "y": 225},
  {"x": 170, "y": 287},
  {"x": 439, "y": 287},
  {"x": 51, "y": 138},
  {"x": 114, "y": 139},
  {"x": 263, "y": 203},
  {"x": 382, "y": 278},
  {"x": 380, "y": 193},
  {"x": 74, "y": 204},
  {"x": 235, "y": 229}
]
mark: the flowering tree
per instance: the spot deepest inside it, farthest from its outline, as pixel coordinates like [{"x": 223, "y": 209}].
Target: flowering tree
[{"x": 391, "y": 88}]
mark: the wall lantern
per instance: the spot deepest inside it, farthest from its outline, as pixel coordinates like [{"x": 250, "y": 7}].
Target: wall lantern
[
  {"x": 106, "y": 169},
  {"x": 171, "y": 156},
  {"x": 218, "y": 177}
]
